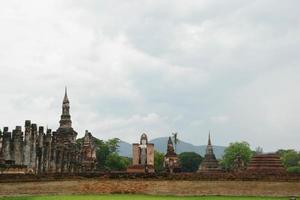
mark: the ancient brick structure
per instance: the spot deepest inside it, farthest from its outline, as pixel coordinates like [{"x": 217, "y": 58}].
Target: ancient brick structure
[
  {"x": 209, "y": 163},
  {"x": 142, "y": 156},
  {"x": 51, "y": 152},
  {"x": 88, "y": 152},
  {"x": 266, "y": 163},
  {"x": 1, "y": 153},
  {"x": 171, "y": 161}
]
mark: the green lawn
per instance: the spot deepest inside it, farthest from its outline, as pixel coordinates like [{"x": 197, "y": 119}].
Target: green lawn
[{"x": 134, "y": 197}]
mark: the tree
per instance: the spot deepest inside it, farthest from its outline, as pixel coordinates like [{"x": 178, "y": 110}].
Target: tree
[
  {"x": 235, "y": 149},
  {"x": 113, "y": 145},
  {"x": 116, "y": 162},
  {"x": 190, "y": 161},
  {"x": 158, "y": 161},
  {"x": 290, "y": 157}
]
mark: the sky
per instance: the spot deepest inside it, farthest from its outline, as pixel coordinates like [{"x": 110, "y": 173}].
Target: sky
[{"x": 155, "y": 66}]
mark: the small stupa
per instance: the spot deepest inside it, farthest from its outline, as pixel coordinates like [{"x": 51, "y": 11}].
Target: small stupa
[
  {"x": 171, "y": 161},
  {"x": 209, "y": 163}
]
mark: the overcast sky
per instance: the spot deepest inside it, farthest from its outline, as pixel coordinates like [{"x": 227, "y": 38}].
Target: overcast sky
[{"x": 156, "y": 66}]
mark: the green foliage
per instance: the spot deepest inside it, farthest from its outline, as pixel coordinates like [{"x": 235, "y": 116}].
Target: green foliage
[
  {"x": 116, "y": 162},
  {"x": 190, "y": 161},
  {"x": 237, "y": 148},
  {"x": 158, "y": 161},
  {"x": 79, "y": 141},
  {"x": 295, "y": 169},
  {"x": 113, "y": 145},
  {"x": 104, "y": 149},
  {"x": 290, "y": 157}
]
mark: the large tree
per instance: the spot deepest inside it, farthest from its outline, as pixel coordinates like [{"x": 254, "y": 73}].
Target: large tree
[
  {"x": 190, "y": 161},
  {"x": 235, "y": 149},
  {"x": 158, "y": 161}
]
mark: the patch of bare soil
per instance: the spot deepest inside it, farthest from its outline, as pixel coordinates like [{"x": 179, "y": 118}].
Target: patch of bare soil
[{"x": 234, "y": 188}]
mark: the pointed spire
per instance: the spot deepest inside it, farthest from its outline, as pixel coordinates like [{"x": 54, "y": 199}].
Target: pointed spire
[
  {"x": 66, "y": 99},
  {"x": 209, "y": 141}
]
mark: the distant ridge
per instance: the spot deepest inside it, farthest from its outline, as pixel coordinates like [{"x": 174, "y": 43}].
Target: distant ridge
[{"x": 160, "y": 144}]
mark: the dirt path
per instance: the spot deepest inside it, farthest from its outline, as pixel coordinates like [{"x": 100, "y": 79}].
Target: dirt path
[{"x": 152, "y": 187}]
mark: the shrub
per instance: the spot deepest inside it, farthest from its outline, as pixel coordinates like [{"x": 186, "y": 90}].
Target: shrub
[{"x": 295, "y": 170}]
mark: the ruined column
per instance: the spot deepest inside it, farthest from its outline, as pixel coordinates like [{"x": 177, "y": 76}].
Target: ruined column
[
  {"x": 27, "y": 144},
  {"x": 6, "y": 147},
  {"x": 33, "y": 147},
  {"x": 1, "y": 152},
  {"x": 40, "y": 150},
  {"x": 17, "y": 139},
  {"x": 53, "y": 154},
  {"x": 47, "y": 151}
]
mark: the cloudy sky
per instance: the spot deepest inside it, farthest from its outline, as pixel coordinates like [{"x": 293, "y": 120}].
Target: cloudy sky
[{"x": 155, "y": 66}]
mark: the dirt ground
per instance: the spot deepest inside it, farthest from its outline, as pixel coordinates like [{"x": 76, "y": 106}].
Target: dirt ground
[{"x": 157, "y": 187}]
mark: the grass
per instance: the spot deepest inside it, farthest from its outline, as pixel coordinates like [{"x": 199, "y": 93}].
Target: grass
[{"x": 134, "y": 197}]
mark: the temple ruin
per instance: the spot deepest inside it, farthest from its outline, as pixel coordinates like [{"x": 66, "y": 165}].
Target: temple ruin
[
  {"x": 142, "y": 156},
  {"x": 40, "y": 151}
]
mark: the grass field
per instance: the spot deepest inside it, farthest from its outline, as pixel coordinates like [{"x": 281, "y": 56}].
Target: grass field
[{"x": 134, "y": 197}]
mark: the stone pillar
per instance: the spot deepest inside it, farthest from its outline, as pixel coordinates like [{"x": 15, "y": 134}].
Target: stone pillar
[
  {"x": 47, "y": 151},
  {"x": 40, "y": 150},
  {"x": 27, "y": 144},
  {"x": 17, "y": 138},
  {"x": 33, "y": 147},
  {"x": 1, "y": 152},
  {"x": 53, "y": 153},
  {"x": 6, "y": 147}
]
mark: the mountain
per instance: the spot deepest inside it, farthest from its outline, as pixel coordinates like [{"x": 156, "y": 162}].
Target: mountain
[{"x": 160, "y": 144}]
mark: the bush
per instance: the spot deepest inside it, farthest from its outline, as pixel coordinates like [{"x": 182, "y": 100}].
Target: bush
[
  {"x": 295, "y": 170},
  {"x": 190, "y": 161},
  {"x": 116, "y": 162}
]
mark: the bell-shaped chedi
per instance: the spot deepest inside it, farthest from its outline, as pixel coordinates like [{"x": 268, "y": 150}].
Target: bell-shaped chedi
[
  {"x": 209, "y": 163},
  {"x": 171, "y": 161},
  {"x": 142, "y": 156},
  {"x": 269, "y": 163}
]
